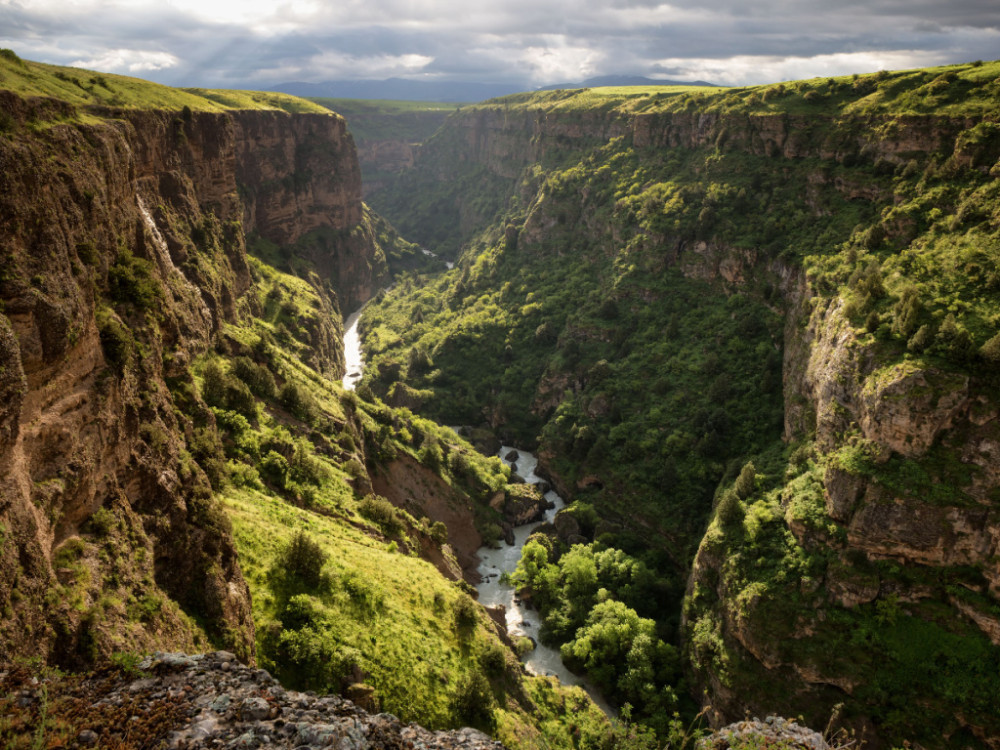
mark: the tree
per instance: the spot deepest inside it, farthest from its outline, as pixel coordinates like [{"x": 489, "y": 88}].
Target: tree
[
  {"x": 730, "y": 511},
  {"x": 302, "y": 561},
  {"x": 746, "y": 483}
]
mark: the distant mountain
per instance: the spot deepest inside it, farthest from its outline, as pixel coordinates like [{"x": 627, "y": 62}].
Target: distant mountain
[
  {"x": 623, "y": 81},
  {"x": 400, "y": 88}
]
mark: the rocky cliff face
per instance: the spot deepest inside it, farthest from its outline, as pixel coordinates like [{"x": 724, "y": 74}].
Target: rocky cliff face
[
  {"x": 123, "y": 254},
  {"x": 866, "y": 574},
  {"x": 890, "y": 514}
]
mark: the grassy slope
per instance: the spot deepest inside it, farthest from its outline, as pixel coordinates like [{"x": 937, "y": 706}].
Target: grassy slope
[
  {"x": 964, "y": 89},
  {"x": 86, "y": 88}
]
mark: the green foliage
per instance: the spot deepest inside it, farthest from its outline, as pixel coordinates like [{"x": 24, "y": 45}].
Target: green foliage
[
  {"x": 746, "y": 483},
  {"x": 383, "y": 513},
  {"x": 117, "y": 341},
  {"x": 101, "y": 522},
  {"x": 730, "y": 511},
  {"x": 473, "y": 702},
  {"x": 258, "y": 378},
  {"x": 625, "y": 658},
  {"x": 464, "y": 612},
  {"x": 131, "y": 280},
  {"x": 298, "y": 401}
]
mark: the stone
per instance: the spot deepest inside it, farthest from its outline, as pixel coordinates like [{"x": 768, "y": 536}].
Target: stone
[
  {"x": 254, "y": 709},
  {"x": 87, "y": 737}
]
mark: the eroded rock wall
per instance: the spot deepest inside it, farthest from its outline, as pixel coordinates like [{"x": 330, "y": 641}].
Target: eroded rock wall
[{"x": 123, "y": 253}]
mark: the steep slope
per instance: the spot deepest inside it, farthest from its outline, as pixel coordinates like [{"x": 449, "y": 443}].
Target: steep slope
[
  {"x": 123, "y": 255},
  {"x": 627, "y": 257}
]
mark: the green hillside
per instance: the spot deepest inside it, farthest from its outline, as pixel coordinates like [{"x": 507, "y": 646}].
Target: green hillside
[
  {"x": 85, "y": 88},
  {"x": 648, "y": 282}
]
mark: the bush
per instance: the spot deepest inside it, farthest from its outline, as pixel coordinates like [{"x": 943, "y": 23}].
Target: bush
[
  {"x": 439, "y": 532},
  {"x": 990, "y": 351},
  {"x": 464, "y": 610},
  {"x": 130, "y": 280},
  {"x": 731, "y": 510},
  {"x": 493, "y": 659},
  {"x": 297, "y": 401},
  {"x": 116, "y": 342},
  {"x": 213, "y": 385},
  {"x": 473, "y": 701},
  {"x": 746, "y": 482},
  {"x": 382, "y": 513},
  {"x": 302, "y": 561},
  {"x": 101, "y": 522},
  {"x": 274, "y": 469},
  {"x": 258, "y": 378}
]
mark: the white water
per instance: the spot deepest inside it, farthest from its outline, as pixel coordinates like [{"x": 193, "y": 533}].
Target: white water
[
  {"x": 353, "y": 358},
  {"x": 522, "y": 621},
  {"x": 448, "y": 264},
  {"x": 166, "y": 262}
]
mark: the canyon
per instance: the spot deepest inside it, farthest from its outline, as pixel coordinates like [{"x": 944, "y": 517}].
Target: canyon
[{"x": 750, "y": 334}]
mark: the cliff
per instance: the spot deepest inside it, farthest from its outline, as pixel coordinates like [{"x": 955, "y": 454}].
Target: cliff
[
  {"x": 677, "y": 282},
  {"x": 123, "y": 257}
]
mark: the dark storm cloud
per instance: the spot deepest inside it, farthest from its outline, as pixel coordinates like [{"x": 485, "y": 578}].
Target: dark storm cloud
[{"x": 252, "y": 42}]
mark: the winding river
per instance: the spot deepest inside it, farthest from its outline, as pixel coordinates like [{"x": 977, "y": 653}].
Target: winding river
[{"x": 521, "y": 621}]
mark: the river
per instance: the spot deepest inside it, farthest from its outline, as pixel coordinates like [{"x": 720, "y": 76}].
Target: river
[
  {"x": 353, "y": 358},
  {"x": 521, "y": 621}
]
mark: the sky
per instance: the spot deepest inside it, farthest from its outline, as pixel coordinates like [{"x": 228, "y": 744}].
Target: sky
[{"x": 262, "y": 43}]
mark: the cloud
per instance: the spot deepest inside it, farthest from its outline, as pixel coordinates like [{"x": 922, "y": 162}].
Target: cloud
[
  {"x": 128, "y": 61},
  {"x": 527, "y": 42}
]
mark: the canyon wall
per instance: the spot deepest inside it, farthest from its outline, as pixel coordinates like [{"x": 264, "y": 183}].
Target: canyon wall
[
  {"x": 123, "y": 254},
  {"x": 858, "y": 583}
]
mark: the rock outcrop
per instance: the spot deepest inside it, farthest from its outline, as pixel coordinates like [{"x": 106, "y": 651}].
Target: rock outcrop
[{"x": 207, "y": 700}]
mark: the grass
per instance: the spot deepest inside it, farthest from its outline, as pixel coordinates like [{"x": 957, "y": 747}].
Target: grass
[
  {"x": 406, "y": 637},
  {"x": 952, "y": 90},
  {"x": 85, "y": 88}
]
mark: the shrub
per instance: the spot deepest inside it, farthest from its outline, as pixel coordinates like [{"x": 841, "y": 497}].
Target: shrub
[
  {"x": 213, "y": 385},
  {"x": 302, "y": 561},
  {"x": 746, "y": 482},
  {"x": 922, "y": 339},
  {"x": 990, "y": 351},
  {"x": 493, "y": 659},
  {"x": 239, "y": 399},
  {"x": 731, "y": 510},
  {"x": 382, "y": 513},
  {"x": 274, "y": 469},
  {"x": 130, "y": 280},
  {"x": 439, "y": 532},
  {"x": 101, "y": 522},
  {"x": 297, "y": 401},
  {"x": 473, "y": 701},
  {"x": 258, "y": 378},
  {"x": 464, "y": 610},
  {"x": 116, "y": 342}
]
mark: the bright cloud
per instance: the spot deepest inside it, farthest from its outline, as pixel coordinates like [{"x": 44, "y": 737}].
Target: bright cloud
[{"x": 128, "y": 61}]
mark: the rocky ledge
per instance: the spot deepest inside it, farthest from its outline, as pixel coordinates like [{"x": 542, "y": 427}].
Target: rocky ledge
[
  {"x": 204, "y": 701},
  {"x": 773, "y": 732}
]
